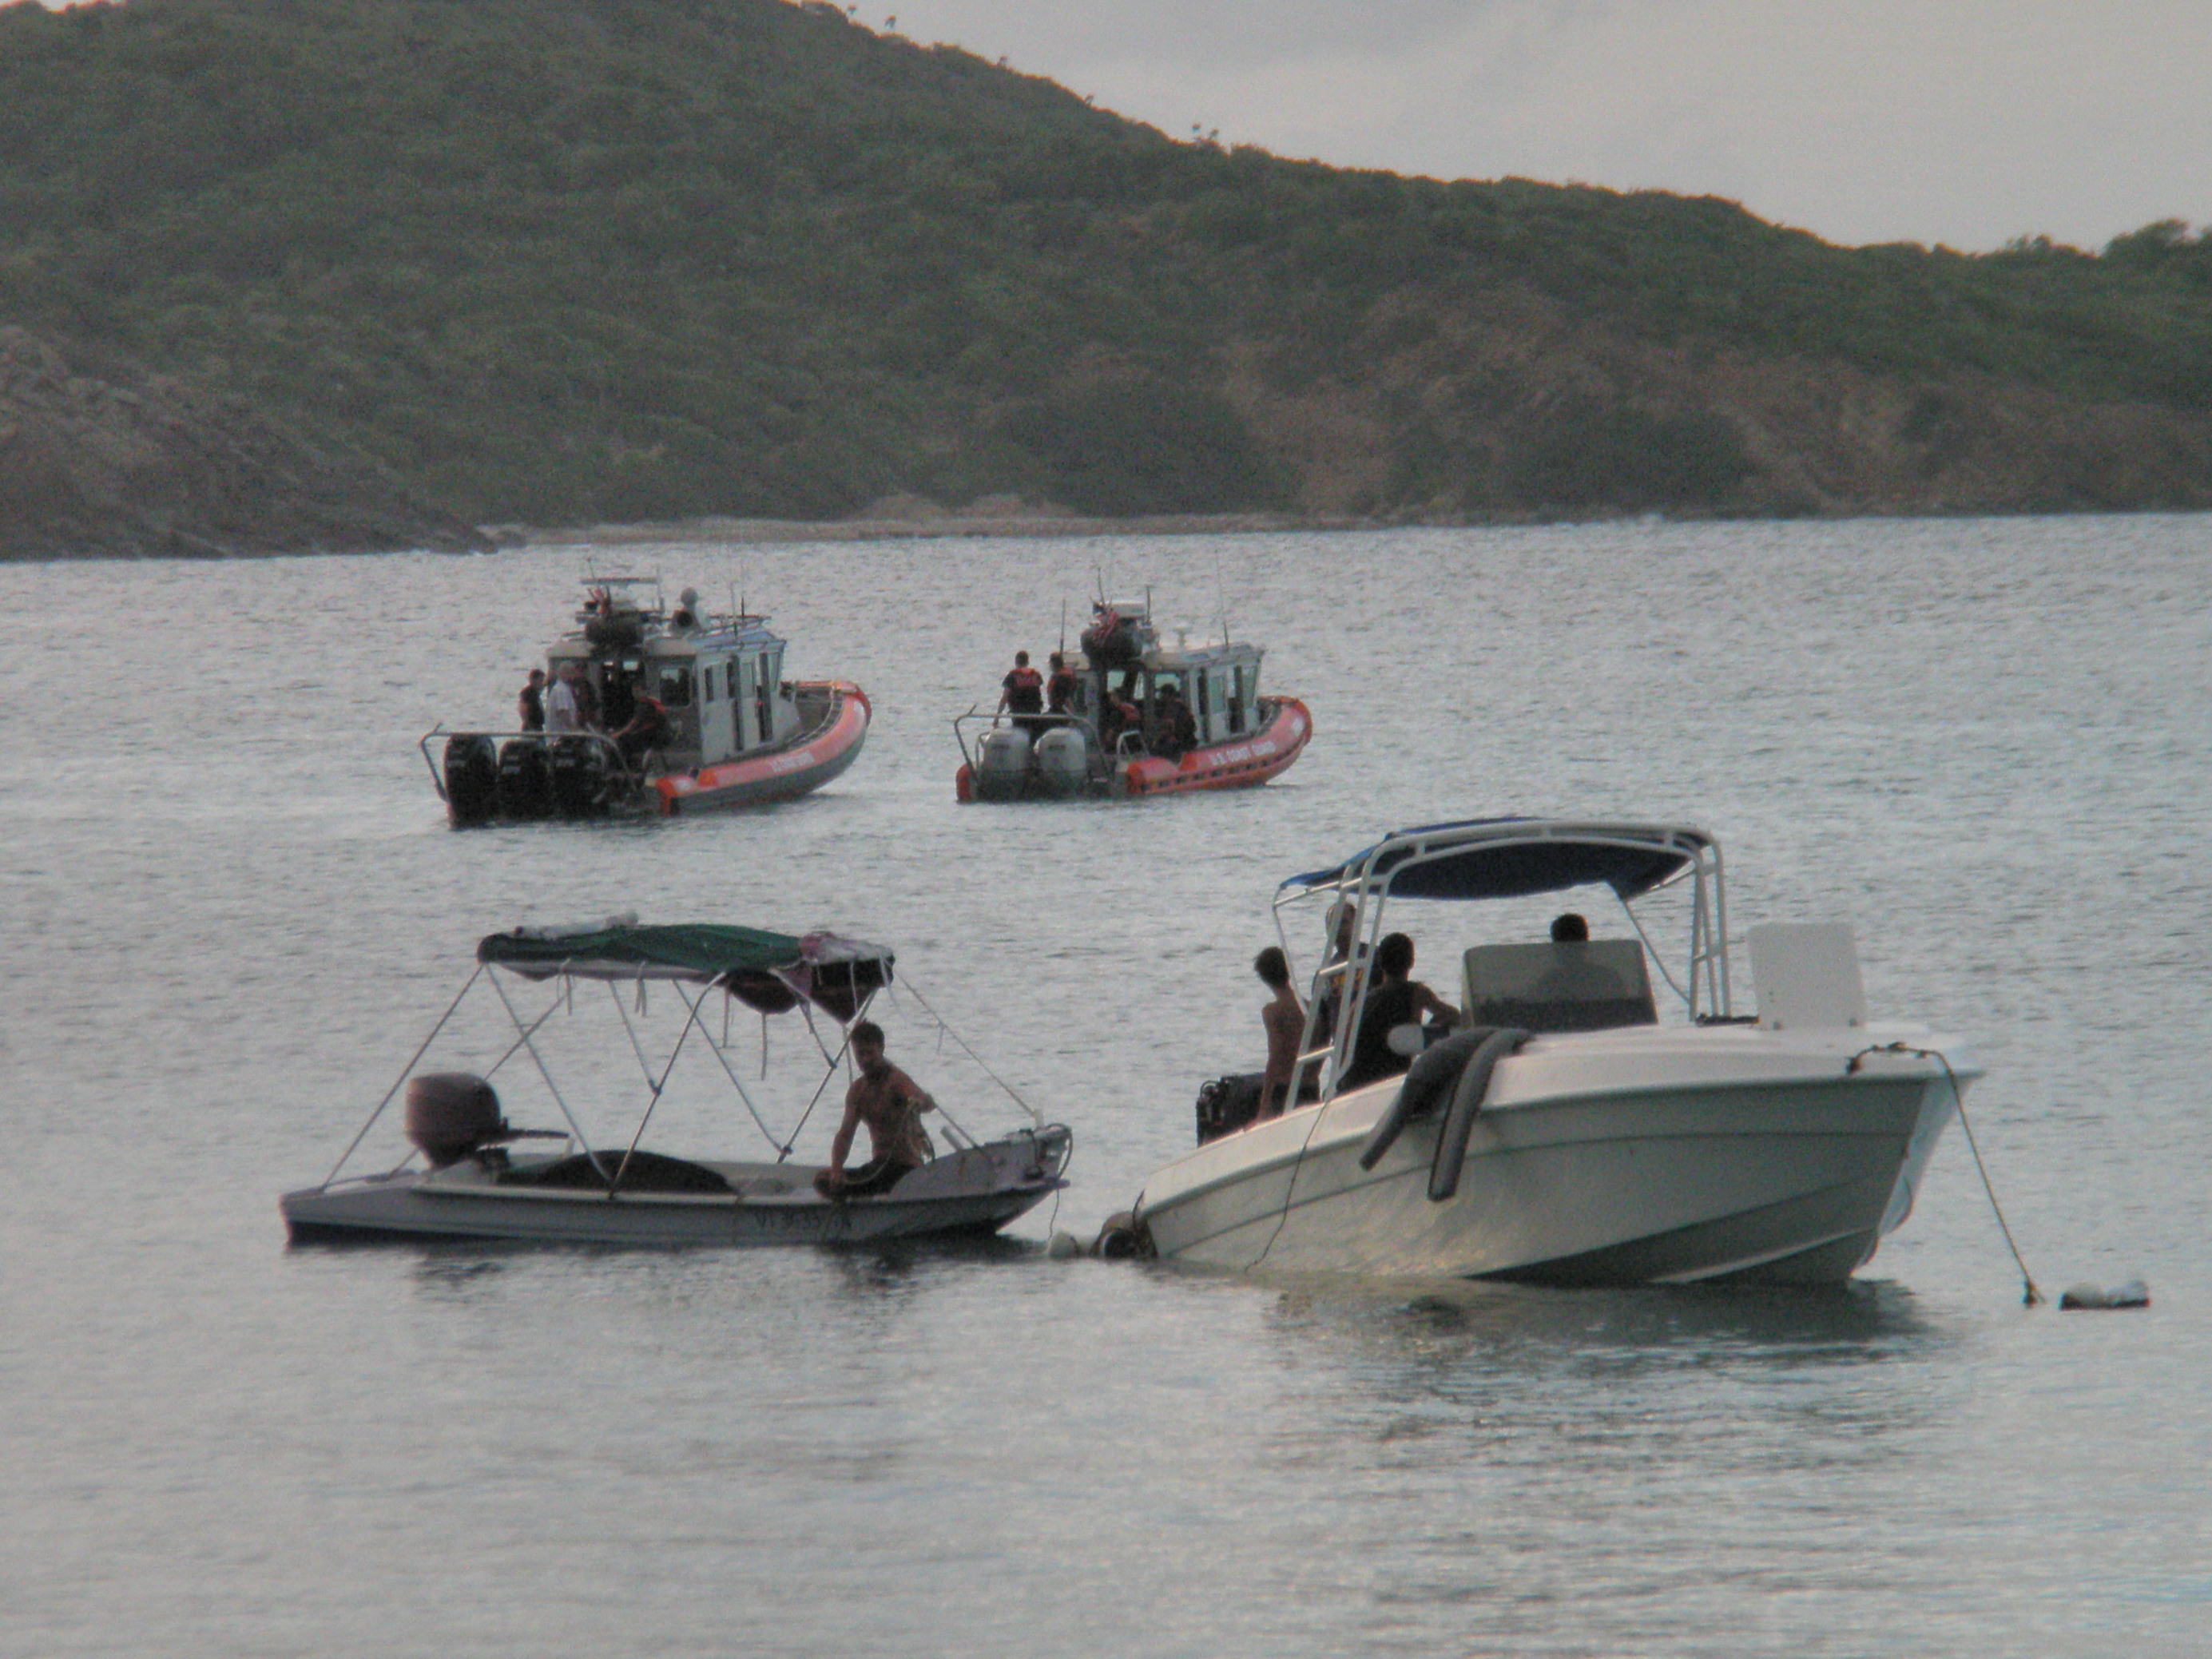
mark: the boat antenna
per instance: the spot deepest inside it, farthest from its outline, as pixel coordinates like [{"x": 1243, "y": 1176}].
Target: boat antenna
[{"x": 1063, "y": 621}]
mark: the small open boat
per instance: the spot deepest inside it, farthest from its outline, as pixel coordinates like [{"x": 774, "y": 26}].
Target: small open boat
[
  {"x": 1563, "y": 1134},
  {"x": 1135, "y": 716},
  {"x": 728, "y": 729},
  {"x": 463, "y": 1179}
]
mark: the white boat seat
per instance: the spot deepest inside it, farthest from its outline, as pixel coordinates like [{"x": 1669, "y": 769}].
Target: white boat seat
[{"x": 1591, "y": 985}]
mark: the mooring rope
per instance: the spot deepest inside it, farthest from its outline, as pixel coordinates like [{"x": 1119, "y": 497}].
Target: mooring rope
[{"x": 2030, "y": 1297}]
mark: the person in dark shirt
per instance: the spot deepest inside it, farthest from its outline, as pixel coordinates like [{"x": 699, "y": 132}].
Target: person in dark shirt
[
  {"x": 1176, "y": 733},
  {"x": 529, "y": 707},
  {"x": 1395, "y": 998},
  {"x": 646, "y": 731}
]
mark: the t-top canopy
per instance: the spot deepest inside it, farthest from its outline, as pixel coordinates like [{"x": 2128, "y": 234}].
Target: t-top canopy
[
  {"x": 770, "y": 971},
  {"x": 1512, "y": 857}
]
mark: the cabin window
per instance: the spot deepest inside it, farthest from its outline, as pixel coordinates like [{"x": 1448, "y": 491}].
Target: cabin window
[
  {"x": 1205, "y": 708},
  {"x": 1236, "y": 698},
  {"x": 675, "y": 684}
]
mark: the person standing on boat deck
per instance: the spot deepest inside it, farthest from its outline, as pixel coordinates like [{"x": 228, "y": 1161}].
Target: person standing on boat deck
[
  {"x": 530, "y": 705},
  {"x": 1284, "y": 1022},
  {"x": 891, "y": 1103},
  {"x": 1022, "y": 692},
  {"x": 561, "y": 712},
  {"x": 1177, "y": 730},
  {"x": 646, "y": 731},
  {"x": 1394, "y": 999},
  {"x": 1059, "y": 688}
]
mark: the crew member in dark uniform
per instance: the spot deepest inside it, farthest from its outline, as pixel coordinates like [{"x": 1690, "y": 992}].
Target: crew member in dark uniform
[
  {"x": 1060, "y": 688},
  {"x": 530, "y": 705},
  {"x": 1022, "y": 692}
]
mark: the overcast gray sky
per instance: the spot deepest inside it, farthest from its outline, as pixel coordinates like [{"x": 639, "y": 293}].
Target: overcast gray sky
[{"x": 1963, "y": 122}]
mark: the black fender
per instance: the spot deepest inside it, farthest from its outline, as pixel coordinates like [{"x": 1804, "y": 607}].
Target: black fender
[
  {"x": 1426, "y": 1079},
  {"x": 1467, "y": 1101}
]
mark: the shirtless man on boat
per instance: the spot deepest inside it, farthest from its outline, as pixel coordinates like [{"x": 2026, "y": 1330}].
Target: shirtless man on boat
[{"x": 891, "y": 1103}]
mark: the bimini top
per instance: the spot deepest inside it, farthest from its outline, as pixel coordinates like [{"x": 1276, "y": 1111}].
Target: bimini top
[
  {"x": 770, "y": 971},
  {"x": 1512, "y": 857}
]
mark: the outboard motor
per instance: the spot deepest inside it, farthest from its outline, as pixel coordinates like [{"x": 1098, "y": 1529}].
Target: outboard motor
[
  {"x": 1063, "y": 761},
  {"x": 1002, "y": 770},
  {"x": 579, "y": 777},
  {"x": 471, "y": 779},
  {"x": 525, "y": 778},
  {"x": 451, "y": 1115}
]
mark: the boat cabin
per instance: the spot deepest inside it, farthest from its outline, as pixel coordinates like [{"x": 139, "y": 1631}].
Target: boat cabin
[
  {"x": 719, "y": 677},
  {"x": 1123, "y": 656}
]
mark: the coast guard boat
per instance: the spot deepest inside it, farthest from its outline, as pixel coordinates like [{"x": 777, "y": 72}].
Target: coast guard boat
[
  {"x": 732, "y": 731},
  {"x": 462, "y": 1181},
  {"x": 1566, "y": 1135},
  {"x": 1140, "y": 717}
]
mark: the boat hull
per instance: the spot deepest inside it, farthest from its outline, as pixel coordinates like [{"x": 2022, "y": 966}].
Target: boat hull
[
  {"x": 814, "y": 758},
  {"x": 1769, "y": 1167},
  {"x": 1241, "y": 764},
  {"x": 977, "y": 1190}
]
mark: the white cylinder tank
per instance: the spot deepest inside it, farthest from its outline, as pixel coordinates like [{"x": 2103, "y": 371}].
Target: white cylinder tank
[{"x": 1060, "y": 760}]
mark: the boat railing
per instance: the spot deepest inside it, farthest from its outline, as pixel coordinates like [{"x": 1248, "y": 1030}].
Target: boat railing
[{"x": 620, "y": 769}]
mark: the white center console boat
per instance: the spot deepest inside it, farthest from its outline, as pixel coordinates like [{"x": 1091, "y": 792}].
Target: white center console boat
[{"x": 1563, "y": 1134}]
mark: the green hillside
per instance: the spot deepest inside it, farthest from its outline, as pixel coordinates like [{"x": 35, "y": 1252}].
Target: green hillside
[{"x": 598, "y": 259}]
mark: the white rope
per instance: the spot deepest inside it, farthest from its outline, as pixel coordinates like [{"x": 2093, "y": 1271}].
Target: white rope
[{"x": 1012, "y": 1094}]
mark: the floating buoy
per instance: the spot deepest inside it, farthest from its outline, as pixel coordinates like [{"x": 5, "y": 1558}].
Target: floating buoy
[
  {"x": 2133, "y": 1294},
  {"x": 1063, "y": 1247}
]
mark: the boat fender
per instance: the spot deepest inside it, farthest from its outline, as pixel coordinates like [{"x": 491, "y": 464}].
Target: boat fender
[
  {"x": 1466, "y": 1102},
  {"x": 1063, "y": 1246},
  {"x": 2133, "y": 1294},
  {"x": 1426, "y": 1079},
  {"x": 1123, "y": 1239}
]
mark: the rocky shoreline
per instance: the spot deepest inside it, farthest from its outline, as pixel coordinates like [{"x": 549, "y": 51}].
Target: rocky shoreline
[{"x": 101, "y": 458}]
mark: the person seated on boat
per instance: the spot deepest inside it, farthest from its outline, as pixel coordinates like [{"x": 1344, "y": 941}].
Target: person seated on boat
[
  {"x": 891, "y": 1103},
  {"x": 530, "y": 705},
  {"x": 1022, "y": 692},
  {"x": 1174, "y": 730},
  {"x": 1060, "y": 687},
  {"x": 563, "y": 712},
  {"x": 646, "y": 731},
  {"x": 1284, "y": 1022},
  {"x": 1573, "y": 977},
  {"x": 1118, "y": 715},
  {"x": 1395, "y": 998}
]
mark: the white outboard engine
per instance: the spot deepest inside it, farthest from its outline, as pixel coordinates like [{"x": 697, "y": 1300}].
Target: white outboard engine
[
  {"x": 451, "y": 1115},
  {"x": 1062, "y": 762},
  {"x": 1003, "y": 764}
]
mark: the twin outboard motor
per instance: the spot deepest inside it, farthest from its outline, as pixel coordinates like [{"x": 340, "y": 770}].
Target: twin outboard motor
[
  {"x": 525, "y": 778},
  {"x": 1063, "y": 761},
  {"x": 451, "y": 1115},
  {"x": 471, "y": 779},
  {"x": 580, "y": 783},
  {"x": 1002, "y": 764}
]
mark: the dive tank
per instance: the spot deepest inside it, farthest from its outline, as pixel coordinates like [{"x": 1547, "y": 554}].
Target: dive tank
[
  {"x": 1002, "y": 770},
  {"x": 1063, "y": 763},
  {"x": 471, "y": 779}
]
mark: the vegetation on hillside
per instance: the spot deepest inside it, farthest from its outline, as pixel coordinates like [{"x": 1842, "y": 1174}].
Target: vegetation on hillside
[{"x": 572, "y": 260}]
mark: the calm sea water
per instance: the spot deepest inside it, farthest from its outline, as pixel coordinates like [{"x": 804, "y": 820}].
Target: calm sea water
[{"x": 231, "y": 906}]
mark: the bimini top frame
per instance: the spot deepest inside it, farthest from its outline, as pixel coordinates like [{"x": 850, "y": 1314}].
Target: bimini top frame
[{"x": 1514, "y": 858}]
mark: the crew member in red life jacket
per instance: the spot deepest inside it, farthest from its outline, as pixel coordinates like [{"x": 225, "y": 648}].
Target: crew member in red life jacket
[
  {"x": 1022, "y": 692},
  {"x": 646, "y": 731},
  {"x": 1117, "y": 714},
  {"x": 1060, "y": 689}
]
